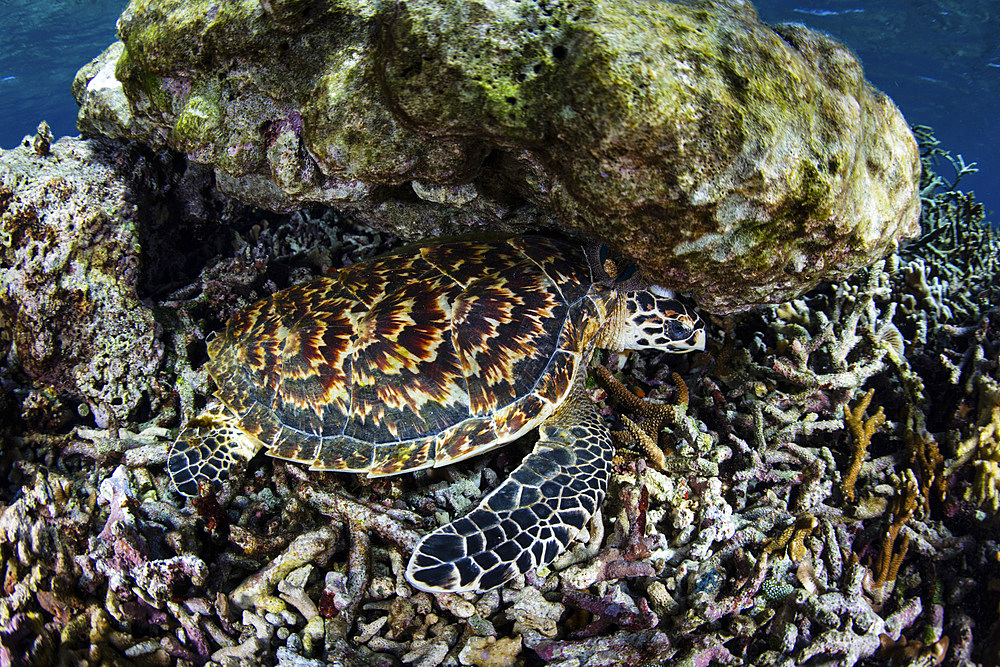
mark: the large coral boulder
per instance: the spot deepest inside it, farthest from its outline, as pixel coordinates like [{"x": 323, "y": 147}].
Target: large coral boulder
[
  {"x": 69, "y": 264},
  {"x": 741, "y": 162},
  {"x": 82, "y": 248}
]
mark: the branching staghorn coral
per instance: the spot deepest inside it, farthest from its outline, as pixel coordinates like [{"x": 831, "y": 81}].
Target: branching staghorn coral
[
  {"x": 655, "y": 416},
  {"x": 983, "y": 448},
  {"x": 885, "y": 568},
  {"x": 781, "y": 394},
  {"x": 808, "y": 357},
  {"x": 833, "y": 325},
  {"x": 948, "y": 277},
  {"x": 926, "y": 460}
]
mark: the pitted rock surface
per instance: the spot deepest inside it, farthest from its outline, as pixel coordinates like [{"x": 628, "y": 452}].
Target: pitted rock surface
[
  {"x": 738, "y": 161},
  {"x": 77, "y": 261},
  {"x": 69, "y": 265}
]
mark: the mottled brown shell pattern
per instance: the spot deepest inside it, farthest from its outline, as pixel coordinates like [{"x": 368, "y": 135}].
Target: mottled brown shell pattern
[{"x": 418, "y": 358}]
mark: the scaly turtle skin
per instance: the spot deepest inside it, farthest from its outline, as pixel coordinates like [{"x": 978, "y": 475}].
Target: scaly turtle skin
[{"x": 428, "y": 356}]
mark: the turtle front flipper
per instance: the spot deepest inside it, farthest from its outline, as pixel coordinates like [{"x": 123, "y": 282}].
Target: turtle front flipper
[
  {"x": 529, "y": 519},
  {"x": 206, "y": 448}
]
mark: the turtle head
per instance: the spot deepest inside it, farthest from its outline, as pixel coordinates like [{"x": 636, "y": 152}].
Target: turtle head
[{"x": 653, "y": 318}]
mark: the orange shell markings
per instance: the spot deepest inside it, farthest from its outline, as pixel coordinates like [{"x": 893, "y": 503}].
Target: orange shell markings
[{"x": 418, "y": 358}]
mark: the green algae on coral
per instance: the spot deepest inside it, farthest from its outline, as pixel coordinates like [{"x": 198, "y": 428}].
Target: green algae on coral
[{"x": 197, "y": 123}]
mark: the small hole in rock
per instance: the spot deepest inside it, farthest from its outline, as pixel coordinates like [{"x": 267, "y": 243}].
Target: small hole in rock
[{"x": 197, "y": 353}]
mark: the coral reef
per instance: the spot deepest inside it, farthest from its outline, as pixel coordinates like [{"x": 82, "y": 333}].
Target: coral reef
[
  {"x": 741, "y": 162},
  {"x": 947, "y": 277},
  {"x": 862, "y": 431},
  {"x": 74, "y": 216},
  {"x": 822, "y": 486},
  {"x": 984, "y": 450}
]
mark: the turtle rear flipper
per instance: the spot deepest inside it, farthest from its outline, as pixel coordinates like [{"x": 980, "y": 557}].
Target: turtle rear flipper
[
  {"x": 206, "y": 448},
  {"x": 529, "y": 519}
]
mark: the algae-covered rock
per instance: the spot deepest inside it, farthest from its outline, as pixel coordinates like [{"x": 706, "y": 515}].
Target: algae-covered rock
[
  {"x": 741, "y": 162},
  {"x": 69, "y": 262},
  {"x": 72, "y": 225},
  {"x": 104, "y": 110}
]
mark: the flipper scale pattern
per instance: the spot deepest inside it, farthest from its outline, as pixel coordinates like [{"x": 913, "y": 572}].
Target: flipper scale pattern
[{"x": 531, "y": 517}]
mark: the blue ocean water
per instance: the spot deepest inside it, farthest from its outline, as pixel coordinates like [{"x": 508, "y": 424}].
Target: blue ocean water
[
  {"x": 42, "y": 45},
  {"x": 938, "y": 59}
]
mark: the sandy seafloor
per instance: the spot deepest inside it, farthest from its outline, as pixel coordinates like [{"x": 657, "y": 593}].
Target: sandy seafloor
[{"x": 818, "y": 487}]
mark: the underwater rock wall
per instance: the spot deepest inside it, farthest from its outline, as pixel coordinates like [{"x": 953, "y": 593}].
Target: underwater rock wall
[
  {"x": 90, "y": 231},
  {"x": 69, "y": 269},
  {"x": 736, "y": 161}
]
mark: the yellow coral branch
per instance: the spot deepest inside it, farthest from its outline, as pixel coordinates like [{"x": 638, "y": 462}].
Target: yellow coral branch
[
  {"x": 890, "y": 558},
  {"x": 925, "y": 459},
  {"x": 780, "y": 542},
  {"x": 682, "y": 391},
  {"x": 649, "y": 446},
  {"x": 985, "y": 447},
  {"x": 793, "y": 538},
  {"x": 861, "y": 431}
]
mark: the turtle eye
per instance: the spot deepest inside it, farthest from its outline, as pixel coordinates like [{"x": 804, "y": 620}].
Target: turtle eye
[{"x": 627, "y": 273}]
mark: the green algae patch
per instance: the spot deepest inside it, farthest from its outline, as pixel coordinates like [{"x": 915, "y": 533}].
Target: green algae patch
[
  {"x": 190, "y": 32},
  {"x": 143, "y": 84},
  {"x": 502, "y": 66},
  {"x": 198, "y": 122}
]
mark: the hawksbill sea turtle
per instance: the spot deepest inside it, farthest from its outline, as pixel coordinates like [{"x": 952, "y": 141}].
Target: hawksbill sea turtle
[{"x": 427, "y": 356}]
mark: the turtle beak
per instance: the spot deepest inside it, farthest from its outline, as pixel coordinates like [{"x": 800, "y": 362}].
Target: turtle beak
[{"x": 698, "y": 340}]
